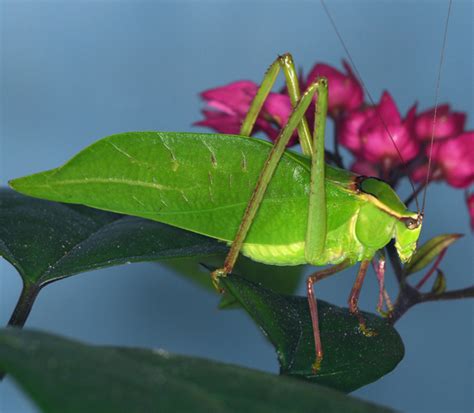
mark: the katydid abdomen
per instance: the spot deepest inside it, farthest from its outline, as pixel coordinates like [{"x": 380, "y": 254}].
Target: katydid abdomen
[{"x": 202, "y": 183}]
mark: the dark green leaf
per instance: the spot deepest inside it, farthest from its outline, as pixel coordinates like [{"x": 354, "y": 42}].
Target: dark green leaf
[
  {"x": 283, "y": 280},
  {"x": 47, "y": 241},
  {"x": 429, "y": 251},
  {"x": 62, "y": 375},
  {"x": 351, "y": 359}
]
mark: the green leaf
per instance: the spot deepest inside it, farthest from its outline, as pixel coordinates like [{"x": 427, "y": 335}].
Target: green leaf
[
  {"x": 439, "y": 285},
  {"x": 62, "y": 375},
  {"x": 351, "y": 359},
  {"x": 429, "y": 251},
  {"x": 47, "y": 241},
  {"x": 283, "y": 280}
]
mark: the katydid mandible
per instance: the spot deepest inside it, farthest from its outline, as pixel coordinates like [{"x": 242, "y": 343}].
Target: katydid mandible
[{"x": 300, "y": 210}]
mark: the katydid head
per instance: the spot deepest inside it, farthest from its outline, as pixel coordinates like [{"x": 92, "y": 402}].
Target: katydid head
[
  {"x": 408, "y": 224},
  {"x": 407, "y": 232}
]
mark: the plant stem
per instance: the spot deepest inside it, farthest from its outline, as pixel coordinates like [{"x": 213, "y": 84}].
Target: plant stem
[
  {"x": 467, "y": 292},
  {"x": 23, "y": 306},
  {"x": 409, "y": 296}
]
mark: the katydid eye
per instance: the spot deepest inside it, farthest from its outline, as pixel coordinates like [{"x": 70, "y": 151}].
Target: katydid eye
[{"x": 411, "y": 223}]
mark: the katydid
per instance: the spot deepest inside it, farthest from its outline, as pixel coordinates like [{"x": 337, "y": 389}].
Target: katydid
[
  {"x": 311, "y": 213},
  {"x": 275, "y": 206}
]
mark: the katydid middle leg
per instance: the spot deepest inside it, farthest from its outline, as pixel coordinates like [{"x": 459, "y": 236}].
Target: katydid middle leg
[{"x": 313, "y": 307}]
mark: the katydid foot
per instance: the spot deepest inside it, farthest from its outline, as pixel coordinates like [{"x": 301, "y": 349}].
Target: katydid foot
[
  {"x": 366, "y": 331},
  {"x": 316, "y": 366},
  {"x": 215, "y": 277}
]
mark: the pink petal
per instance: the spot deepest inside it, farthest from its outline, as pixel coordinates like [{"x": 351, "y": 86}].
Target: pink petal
[
  {"x": 388, "y": 109},
  {"x": 220, "y": 122},
  {"x": 278, "y": 107},
  {"x": 364, "y": 168},
  {"x": 470, "y": 208},
  {"x": 448, "y": 124},
  {"x": 345, "y": 92},
  {"x": 456, "y": 158},
  {"x": 233, "y": 98},
  {"x": 349, "y": 129}
]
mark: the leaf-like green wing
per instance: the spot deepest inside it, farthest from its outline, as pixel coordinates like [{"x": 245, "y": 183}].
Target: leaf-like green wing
[
  {"x": 62, "y": 375},
  {"x": 198, "y": 182},
  {"x": 351, "y": 359},
  {"x": 429, "y": 251}
]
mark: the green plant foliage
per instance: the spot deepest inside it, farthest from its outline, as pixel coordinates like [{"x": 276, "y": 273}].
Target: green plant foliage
[
  {"x": 46, "y": 241},
  {"x": 62, "y": 375},
  {"x": 283, "y": 280},
  {"x": 351, "y": 359},
  {"x": 429, "y": 251}
]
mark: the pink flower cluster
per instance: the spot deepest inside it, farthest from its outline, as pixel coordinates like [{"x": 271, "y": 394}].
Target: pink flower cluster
[{"x": 362, "y": 128}]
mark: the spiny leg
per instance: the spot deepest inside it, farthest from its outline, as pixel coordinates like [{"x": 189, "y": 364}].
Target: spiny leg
[
  {"x": 285, "y": 63},
  {"x": 354, "y": 298},
  {"x": 264, "y": 179},
  {"x": 313, "y": 308}
]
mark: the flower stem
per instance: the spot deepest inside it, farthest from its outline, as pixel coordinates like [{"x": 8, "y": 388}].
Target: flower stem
[{"x": 409, "y": 296}]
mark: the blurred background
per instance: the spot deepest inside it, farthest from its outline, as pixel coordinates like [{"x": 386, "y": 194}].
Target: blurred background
[{"x": 76, "y": 71}]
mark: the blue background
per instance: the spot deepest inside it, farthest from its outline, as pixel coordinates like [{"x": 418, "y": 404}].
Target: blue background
[{"x": 73, "y": 72}]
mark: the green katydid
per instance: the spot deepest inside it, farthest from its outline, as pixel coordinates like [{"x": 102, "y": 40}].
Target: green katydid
[{"x": 294, "y": 210}]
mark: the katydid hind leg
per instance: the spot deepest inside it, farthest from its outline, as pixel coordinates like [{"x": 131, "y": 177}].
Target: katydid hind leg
[
  {"x": 286, "y": 64},
  {"x": 264, "y": 179},
  {"x": 316, "y": 230},
  {"x": 313, "y": 308}
]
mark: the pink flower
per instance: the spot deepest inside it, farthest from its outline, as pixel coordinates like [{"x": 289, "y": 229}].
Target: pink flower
[
  {"x": 470, "y": 208},
  {"x": 448, "y": 124},
  {"x": 231, "y": 103},
  {"x": 454, "y": 159},
  {"x": 365, "y": 134},
  {"x": 364, "y": 168},
  {"x": 345, "y": 91},
  {"x": 349, "y": 129}
]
